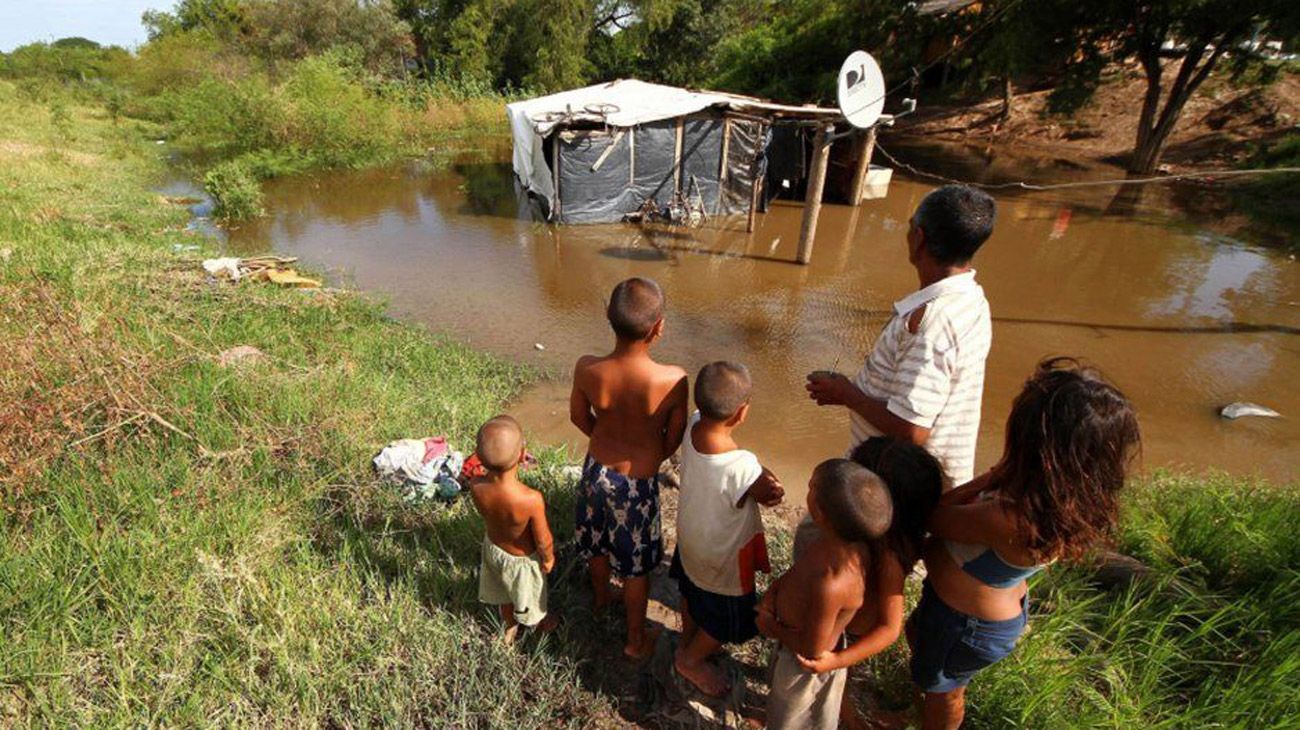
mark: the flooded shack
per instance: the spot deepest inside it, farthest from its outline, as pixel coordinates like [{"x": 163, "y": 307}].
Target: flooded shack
[{"x": 629, "y": 150}]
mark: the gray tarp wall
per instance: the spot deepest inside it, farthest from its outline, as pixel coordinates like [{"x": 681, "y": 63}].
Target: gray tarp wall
[{"x": 606, "y": 174}]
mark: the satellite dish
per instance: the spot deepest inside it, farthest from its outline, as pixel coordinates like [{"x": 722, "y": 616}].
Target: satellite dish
[{"x": 861, "y": 90}]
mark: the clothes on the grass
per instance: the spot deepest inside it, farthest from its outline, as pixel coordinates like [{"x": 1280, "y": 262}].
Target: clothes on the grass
[
  {"x": 803, "y": 700},
  {"x": 514, "y": 579},
  {"x": 719, "y": 539},
  {"x": 933, "y": 378},
  {"x": 729, "y": 619},
  {"x": 427, "y": 468},
  {"x": 618, "y": 516},
  {"x": 950, "y": 647}
]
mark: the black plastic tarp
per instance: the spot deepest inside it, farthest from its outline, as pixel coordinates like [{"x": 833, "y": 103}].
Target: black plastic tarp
[
  {"x": 595, "y": 176},
  {"x": 607, "y": 174}
]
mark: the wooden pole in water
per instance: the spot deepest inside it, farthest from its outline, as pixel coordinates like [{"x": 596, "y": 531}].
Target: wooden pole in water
[
  {"x": 866, "y": 146},
  {"x": 755, "y": 192},
  {"x": 813, "y": 203}
]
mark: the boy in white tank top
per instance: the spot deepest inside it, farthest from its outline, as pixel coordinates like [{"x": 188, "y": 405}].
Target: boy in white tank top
[{"x": 720, "y": 541}]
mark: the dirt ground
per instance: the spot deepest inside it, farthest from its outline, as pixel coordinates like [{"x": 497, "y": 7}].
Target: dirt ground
[{"x": 1219, "y": 127}]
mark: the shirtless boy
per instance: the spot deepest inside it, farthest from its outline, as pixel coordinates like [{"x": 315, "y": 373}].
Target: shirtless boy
[
  {"x": 634, "y": 411},
  {"x": 517, "y": 547},
  {"x": 808, "y": 608}
]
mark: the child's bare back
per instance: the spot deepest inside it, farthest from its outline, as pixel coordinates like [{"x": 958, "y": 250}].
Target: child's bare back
[
  {"x": 634, "y": 411},
  {"x": 518, "y": 549},
  {"x": 638, "y": 408},
  {"x": 511, "y": 513}
]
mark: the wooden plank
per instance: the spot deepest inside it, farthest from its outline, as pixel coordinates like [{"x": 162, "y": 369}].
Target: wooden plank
[
  {"x": 866, "y": 145},
  {"x": 756, "y": 188},
  {"x": 677, "y": 155},
  {"x": 555, "y": 172},
  {"x": 813, "y": 204}
]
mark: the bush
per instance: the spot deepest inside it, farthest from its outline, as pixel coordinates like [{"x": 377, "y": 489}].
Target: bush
[{"x": 235, "y": 190}]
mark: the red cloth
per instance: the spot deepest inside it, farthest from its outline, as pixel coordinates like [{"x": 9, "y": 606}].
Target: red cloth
[{"x": 473, "y": 468}]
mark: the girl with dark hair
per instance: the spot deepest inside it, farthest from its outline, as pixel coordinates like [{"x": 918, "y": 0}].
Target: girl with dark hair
[{"x": 1070, "y": 439}]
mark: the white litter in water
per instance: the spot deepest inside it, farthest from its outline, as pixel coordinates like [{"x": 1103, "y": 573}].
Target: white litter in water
[
  {"x": 1241, "y": 408},
  {"x": 539, "y": 346}
]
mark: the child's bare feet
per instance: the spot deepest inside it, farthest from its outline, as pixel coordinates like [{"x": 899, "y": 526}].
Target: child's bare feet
[
  {"x": 510, "y": 634},
  {"x": 548, "y": 624},
  {"x": 704, "y": 677},
  {"x": 645, "y": 647}
]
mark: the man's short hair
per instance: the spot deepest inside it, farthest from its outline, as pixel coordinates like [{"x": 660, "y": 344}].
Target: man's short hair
[
  {"x": 721, "y": 388},
  {"x": 499, "y": 443},
  {"x": 956, "y": 221},
  {"x": 636, "y": 305},
  {"x": 853, "y": 499}
]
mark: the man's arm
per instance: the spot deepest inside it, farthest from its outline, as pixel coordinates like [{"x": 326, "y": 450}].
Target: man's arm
[
  {"x": 838, "y": 390},
  {"x": 542, "y": 534},
  {"x": 675, "y": 428},
  {"x": 580, "y": 411}
]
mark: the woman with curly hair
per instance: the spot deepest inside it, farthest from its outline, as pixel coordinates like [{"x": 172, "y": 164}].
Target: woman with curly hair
[{"x": 1054, "y": 494}]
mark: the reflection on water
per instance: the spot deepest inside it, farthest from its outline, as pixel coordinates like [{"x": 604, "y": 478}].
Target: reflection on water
[{"x": 1183, "y": 321}]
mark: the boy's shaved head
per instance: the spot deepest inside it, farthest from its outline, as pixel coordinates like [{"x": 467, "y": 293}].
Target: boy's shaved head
[
  {"x": 721, "y": 389},
  {"x": 500, "y": 442},
  {"x": 635, "y": 307},
  {"x": 852, "y": 499}
]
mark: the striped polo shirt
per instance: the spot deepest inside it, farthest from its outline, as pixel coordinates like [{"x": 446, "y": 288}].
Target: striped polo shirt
[{"x": 934, "y": 378}]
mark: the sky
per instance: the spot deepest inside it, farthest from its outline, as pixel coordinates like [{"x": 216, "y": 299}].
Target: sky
[{"x": 110, "y": 22}]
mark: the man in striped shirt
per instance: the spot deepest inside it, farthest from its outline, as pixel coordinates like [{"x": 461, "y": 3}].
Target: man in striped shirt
[{"x": 924, "y": 379}]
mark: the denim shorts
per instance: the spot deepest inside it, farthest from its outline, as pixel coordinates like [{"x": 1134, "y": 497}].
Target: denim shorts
[{"x": 950, "y": 647}]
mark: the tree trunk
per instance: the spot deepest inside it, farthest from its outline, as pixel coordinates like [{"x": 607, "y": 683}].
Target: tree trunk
[
  {"x": 1153, "y": 132},
  {"x": 1007, "y": 93}
]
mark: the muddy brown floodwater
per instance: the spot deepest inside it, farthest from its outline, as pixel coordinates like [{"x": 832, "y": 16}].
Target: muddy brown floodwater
[{"x": 1182, "y": 318}]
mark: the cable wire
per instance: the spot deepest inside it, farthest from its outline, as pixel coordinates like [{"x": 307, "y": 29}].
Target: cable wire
[{"x": 1022, "y": 185}]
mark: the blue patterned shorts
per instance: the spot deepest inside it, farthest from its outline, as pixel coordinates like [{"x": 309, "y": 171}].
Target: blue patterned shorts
[{"x": 618, "y": 516}]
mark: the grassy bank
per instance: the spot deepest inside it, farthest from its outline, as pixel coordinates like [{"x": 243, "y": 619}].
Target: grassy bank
[{"x": 191, "y": 543}]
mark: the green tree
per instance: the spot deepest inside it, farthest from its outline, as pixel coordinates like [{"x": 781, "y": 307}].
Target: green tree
[
  {"x": 795, "y": 53},
  {"x": 545, "y": 44},
  {"x": 224, "y": 18},
  {"x": 1188, "y": 37},
  {"x": 295, "y": 29}
]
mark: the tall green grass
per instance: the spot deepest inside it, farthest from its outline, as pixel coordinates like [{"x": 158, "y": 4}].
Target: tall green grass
[
  {"x": 200, "y": 573},
  {"x": 1209, "y": 637}
]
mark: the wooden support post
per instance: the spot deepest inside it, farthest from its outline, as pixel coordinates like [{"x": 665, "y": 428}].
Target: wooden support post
[
  {"x": 813, "y": 204},
  {"x": 866, "y": 146},
  {"x": 555, "y": 171},
  {"x": 755, "y": 192}
]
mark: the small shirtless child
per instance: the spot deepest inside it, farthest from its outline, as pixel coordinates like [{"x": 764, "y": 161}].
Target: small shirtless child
[
  {"x": 517, "y": 547},
  {"x": 634, "y": 411},
  {"x": 808, "y": 608},
  {"x": 720, "y": 541}
]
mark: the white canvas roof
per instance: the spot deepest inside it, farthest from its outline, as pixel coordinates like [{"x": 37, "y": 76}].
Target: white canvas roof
[{"x": 622, "y": 103}]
